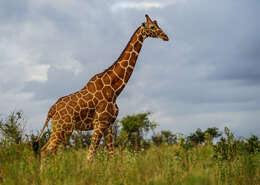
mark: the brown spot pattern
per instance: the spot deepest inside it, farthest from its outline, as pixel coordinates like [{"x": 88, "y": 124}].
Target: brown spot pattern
[
  {"x": 74, "y": 97},
  {"x": 106, "y": 79},
  {"x": 83, "y": 114},
  {"x": 63, "y": 112},
  {"x": 91, "y": 104},
  {"x": 117, "y": 84},
  {"x": 72, "y": 103},
  {"x": 110, "y": 108},
  {"x": 81, "y": 103},
  {"x": 102, "y": 106},
  {"x": 77, "y": 108},
  {"x": 133, "y": 59},
  {"x": 129, "y": 48},
  {"x": 84, "y": 91},
  {"x": 99, "y": 84},
  {"x": 119, "y": 71},
  {"x": 70, "y": 110},
  {"x": 66, "y": 98},
  {"x": 108, "y": 93},
  {"x": 79, "y": 95},
  {"x": 137, "y": 46},
  {"x": 128, "y": 73},
  {"x": 126, "y": 56},
  {"x": 88, "y": 97},
  {"x": 91, "y": 87},
  {"x": 60, "y": 105},
  {"x": 124, "y": 63}
]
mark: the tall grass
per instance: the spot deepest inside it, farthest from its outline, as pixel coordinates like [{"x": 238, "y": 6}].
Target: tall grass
[{"x": 156, "y": 165}]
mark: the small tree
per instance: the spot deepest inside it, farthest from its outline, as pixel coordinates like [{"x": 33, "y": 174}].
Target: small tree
[
  {"x": 211, "y": 133},
  {"x": 197, "y": 137},
  {"x": 165, "y": 136},
  {"x": 134, "y": 128},
  {"x": 157, "y": 139},
  {"x": 169, "y": 137},
  {"x": 12, "y": 128},
  {"x": 214, "y": 132}
]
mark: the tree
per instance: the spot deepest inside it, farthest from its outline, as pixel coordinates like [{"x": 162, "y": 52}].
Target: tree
[
  {"x": 214, "y": 132},
  {"x": 169, "y": 137},
  {"x": 197, "y": 137},
  {"x": 134, "y": 128},
  {"x": 211, "y": 133},
  {"x": 157, "y": 139},
  {"x": 12, "y": 128},
  {"x": 165, "y": 136}
]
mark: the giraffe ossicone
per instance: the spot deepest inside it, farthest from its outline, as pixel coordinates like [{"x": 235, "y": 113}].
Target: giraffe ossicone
[{"x": 94, "y": 107}]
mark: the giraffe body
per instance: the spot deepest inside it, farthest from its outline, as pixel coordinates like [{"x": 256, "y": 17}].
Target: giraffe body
[{"x": 94, "y": 107}]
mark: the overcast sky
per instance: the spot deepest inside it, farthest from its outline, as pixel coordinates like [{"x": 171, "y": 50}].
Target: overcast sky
[{"x": 207, "y": 75}]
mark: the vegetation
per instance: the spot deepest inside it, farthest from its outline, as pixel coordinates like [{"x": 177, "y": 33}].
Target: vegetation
[
  {"x": 165, "y": 158},
  {"x": 12, "y": 128}
]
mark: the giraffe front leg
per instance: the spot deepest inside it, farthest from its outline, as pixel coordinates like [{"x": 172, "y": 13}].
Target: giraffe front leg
[
  {"x": 103, "y": 119},
  {"x": 109, "y": 141},
  {"x": 109, "y": 131},
  {"x": 96, "y": 137}
]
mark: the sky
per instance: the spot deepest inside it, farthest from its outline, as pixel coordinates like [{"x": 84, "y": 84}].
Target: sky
[{"x": 206, "y": 75}]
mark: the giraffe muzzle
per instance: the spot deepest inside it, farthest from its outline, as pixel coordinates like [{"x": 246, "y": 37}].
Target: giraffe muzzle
[{"x": 164, "y": 37}]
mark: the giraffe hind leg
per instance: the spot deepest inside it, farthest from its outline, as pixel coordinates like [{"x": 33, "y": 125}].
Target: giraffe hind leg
[
  {"x": 47, "y": 149},
  {"x": 51, "y": 146}
]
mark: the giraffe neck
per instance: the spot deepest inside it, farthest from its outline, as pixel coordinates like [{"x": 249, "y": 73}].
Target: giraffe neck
[{"x": 122, "y": 69}]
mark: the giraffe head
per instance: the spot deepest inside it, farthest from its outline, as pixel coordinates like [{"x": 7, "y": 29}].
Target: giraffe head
[{"x": 151, "y": 29}]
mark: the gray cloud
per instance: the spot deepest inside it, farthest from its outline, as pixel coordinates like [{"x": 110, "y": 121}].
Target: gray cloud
[{"x": 13, "y": 11}]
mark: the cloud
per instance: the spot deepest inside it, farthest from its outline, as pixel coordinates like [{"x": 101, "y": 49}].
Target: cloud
[
  {"x": 18, "y": 65},
  {"x": 140, "y": 5},
  {"x": 206, "y": 75}
]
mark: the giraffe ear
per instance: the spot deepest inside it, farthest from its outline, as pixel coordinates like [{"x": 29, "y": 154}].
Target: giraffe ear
[{"x": 148, "y": 19}]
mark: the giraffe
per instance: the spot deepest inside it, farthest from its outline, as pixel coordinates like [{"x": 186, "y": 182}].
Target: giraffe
[{"x": 94, "y": 106}]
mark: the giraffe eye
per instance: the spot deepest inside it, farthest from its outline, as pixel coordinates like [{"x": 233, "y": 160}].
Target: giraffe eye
[{"x": 152, "y": 27}]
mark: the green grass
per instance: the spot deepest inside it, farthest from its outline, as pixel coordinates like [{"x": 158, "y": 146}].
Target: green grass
[{"x": 155, "y": 166}]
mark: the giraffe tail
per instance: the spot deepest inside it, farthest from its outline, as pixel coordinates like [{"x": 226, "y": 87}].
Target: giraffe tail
[{"x": 35, "y": 144}]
